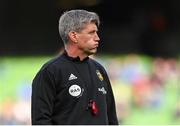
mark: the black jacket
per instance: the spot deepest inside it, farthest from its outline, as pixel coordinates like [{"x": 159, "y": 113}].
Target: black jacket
[{"x": 62, "y": 91}]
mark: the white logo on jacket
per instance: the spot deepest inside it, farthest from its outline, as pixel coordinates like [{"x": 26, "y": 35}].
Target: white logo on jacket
[
  {"x": 75, "y": 90},
  {"x": 102, "y": 90},
  {"x": 72, "y": 77}
]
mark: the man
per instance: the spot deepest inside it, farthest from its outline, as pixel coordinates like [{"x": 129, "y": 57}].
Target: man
[{"x": 73, "y": 88}]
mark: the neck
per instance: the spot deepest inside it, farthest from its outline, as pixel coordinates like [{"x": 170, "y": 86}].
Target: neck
[{"x": 73, "y": 52}]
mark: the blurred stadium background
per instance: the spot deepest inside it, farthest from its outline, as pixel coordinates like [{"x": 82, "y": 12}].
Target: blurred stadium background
[{"x": 140, "y": 48}]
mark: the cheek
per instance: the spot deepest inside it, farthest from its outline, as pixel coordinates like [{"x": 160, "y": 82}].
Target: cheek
[
  {"x": 88, "y": 44},
  {"x": 85, "y": 42}
]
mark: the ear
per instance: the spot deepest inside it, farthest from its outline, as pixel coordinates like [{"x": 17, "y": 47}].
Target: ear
[{"x": 73, "y": 36}]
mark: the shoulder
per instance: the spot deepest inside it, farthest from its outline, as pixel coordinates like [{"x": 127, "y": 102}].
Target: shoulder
[
  {"x": 53, "y": 64},
  {"x": 98, "y": 65},
  {"x": 51, "y": 69},
  {"x": 95, "y": 62}
]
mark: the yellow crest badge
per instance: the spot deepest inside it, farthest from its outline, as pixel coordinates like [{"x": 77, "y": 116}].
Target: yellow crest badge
[{"x": 99, "y": 75}]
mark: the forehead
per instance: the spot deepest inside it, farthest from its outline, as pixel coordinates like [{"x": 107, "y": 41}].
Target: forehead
[{"x": 90, "y": 26}]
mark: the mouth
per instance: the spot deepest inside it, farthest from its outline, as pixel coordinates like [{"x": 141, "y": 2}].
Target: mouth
[{"x": 96, "y": 45}]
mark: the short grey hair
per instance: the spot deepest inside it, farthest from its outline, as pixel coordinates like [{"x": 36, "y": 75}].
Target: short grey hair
[{"x": 74, "y": 20}]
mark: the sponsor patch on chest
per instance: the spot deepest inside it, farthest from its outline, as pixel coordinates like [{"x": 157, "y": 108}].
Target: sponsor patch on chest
[{"x": 75, "y": 90}]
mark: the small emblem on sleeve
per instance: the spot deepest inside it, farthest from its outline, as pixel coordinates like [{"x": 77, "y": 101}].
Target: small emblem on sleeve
[{"x": 99, "y": 75}]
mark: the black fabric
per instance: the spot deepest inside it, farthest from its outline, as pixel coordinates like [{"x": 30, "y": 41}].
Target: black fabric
[{"x": 53, "y": 104}]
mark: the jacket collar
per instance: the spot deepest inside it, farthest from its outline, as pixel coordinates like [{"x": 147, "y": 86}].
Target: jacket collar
[{"x": 75, "y": 59}]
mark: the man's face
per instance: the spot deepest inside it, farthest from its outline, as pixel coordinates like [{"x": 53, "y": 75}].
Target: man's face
[{"x": 88, "y": 39}]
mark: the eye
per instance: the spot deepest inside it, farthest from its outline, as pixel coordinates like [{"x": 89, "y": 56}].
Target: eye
[{"x": 93, "y": 32}]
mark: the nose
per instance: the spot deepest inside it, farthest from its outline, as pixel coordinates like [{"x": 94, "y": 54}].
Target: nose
[{"x": 97, "y": 37}]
